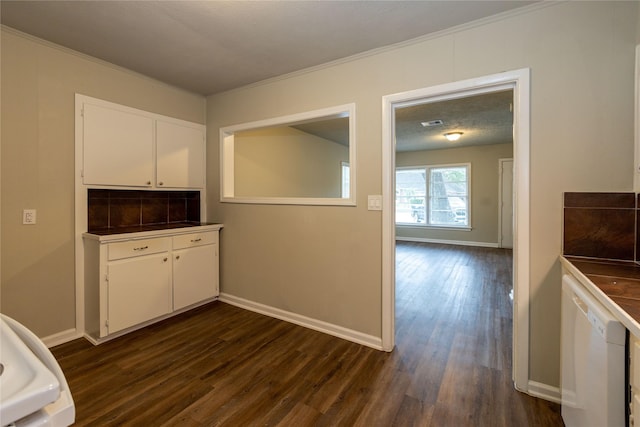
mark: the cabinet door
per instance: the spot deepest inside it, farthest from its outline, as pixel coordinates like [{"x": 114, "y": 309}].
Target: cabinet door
[
  {"x": 634, "y": 378},
  {"x": 180, "y": 156},
  {"x": 195, "y": 275},
  {"x": 118, "y": 147},
  {"x": 139, "y": 290}
]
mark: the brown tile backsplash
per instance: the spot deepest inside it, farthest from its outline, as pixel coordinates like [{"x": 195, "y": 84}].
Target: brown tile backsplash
[
  {"x": 177, "y": 209},
  {"x": 124, "y": 212},
  {"x": 108, "y": 209},
  {"x": 637, "y": 257},
  {"x": 601, "y": 225},
  {"x": 600, "y": 200},
  {"x": 98, "y": 212},
  {"x": 154, "y": 210},
  {"x": 600, "y": 233}
]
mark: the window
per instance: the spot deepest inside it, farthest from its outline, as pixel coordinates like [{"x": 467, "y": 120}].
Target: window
[
  {"x": 345, "y": 180},
  {"x": 436, "y": 196},
  {"x": 411, "y": 191}
]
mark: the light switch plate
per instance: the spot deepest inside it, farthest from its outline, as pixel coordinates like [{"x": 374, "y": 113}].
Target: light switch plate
[
  {"x": 29, "y": 216},
  {"x": 374, "y": 202}
]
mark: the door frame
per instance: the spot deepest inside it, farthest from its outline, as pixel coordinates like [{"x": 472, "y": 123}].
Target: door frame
[
  {"x": 501, "y": 163},
  {"x": 519, "y": 81}
]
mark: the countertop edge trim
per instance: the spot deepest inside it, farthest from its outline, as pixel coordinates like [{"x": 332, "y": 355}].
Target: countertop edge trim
[{"x": 152, "y": 233}]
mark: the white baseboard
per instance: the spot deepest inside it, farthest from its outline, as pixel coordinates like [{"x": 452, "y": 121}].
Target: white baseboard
[
  {"x": 447, "y": 242},
  {"x": 307, "y": 322},
  {"x": 545, "y": 391},
  {"x": 61, "y": 338}
]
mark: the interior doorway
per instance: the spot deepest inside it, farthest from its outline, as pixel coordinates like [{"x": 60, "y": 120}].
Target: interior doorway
[{"x": 518, "y": 81}]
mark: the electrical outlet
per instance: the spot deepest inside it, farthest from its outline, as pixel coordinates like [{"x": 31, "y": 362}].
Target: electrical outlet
[{"x": 29, "y": 216}]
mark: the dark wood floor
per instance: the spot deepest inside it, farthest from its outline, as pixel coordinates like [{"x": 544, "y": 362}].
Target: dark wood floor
[{"x": 220, "y": 365}]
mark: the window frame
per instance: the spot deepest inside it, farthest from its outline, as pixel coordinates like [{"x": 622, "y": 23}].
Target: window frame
[
  {"x": 345, "y": 179},
  {"x": 426, "y": 169}
]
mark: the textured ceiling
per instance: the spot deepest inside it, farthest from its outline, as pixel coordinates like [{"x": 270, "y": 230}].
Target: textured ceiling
[
  {"x": 212, "y": 46},
  {"x": 483, "y": 119}
]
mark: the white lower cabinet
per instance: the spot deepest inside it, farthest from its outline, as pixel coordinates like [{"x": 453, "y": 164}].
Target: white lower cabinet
[
  {"x": 195, "y": 268},
  {"x": 634, "y": 380},
  {"x": 131, "y": 281},
  {"x": 139, "y": 289}
]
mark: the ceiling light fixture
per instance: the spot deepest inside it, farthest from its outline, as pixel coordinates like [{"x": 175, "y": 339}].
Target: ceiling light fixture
[{"x": 453, "y": 136}]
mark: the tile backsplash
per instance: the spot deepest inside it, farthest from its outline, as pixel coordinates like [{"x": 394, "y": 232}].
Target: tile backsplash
[
  {"x": 109, "y": 209},
  {"x": 601, "y": 225}
]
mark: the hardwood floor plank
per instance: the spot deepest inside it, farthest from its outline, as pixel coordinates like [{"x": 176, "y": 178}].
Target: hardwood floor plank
[
  {"x": 300, "y": 415},
  {"x": 428, "y": 376},
  {"x": 221, "y": 365},
  {"x": 349, "y": 404},
  {"x": 386, "y": 398},
  {"x": 328, "y": 380},
  {"x": 413, "y": 413}
]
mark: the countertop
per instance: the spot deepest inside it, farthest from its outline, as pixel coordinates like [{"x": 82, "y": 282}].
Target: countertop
[
  {"x": 615, "y": 284},
  {"x": 154, "y": 230}
]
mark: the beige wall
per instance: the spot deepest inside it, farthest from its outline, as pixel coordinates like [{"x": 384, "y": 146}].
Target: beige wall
[
  {"x": 286, "y": 162},
  {"x": 324, "y": 262},
  {"x": 484, "y": 190},
  {"x": 38, "y": 86}
]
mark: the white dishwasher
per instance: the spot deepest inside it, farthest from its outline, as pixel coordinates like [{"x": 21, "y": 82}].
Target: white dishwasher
[{"x": 593, "y": 360}]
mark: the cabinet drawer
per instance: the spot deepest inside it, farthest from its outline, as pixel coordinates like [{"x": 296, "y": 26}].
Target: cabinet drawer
[
  {"x": 195, "y": 239},
  {"x": 133, "y": 248}
]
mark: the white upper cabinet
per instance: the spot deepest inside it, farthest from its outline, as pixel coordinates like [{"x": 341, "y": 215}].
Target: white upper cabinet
[
  {"x": 179, "y": 155},
  {"x": 123, "y": 146},
  {"x": 118, "y": 147}
]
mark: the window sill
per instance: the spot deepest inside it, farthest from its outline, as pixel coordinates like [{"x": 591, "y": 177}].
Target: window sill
[{"x": 434, "y": 227}]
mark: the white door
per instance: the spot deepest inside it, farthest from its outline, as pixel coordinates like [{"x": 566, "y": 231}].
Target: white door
[
  {"x": 118, "y": 147},
  {"x": 506, "y": 203},
  {"x": 180, "y": 156},
  {"x": 139, "y": 290},
  {"x": 195, "y": 275}
]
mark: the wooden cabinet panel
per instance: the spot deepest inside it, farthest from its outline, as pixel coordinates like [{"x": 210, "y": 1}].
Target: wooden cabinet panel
[
  {"x": 634, "y": 379},
  {"x": 139, "y": 290},
  {"x": 132, "y": 280},
  {"x": 132, "y": 248},
  {"x": 195, "y": 275},
  {"x": 180, "y": 156},
  {"x": 118, "y": 147},
  {"x": 123, "y": 146},
  {"x": 195, "y": 239}
]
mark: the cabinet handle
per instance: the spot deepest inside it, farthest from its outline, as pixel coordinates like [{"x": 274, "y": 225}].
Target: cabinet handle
[
  {"x": 161, "y": 183},
  {"x": 148, "y": 182},
  {"x": 141, "y": 248},
  {"x": 177, "y": 256},
  {"x": 196, "y": 240},
  {"x": 165, "y": 260}
]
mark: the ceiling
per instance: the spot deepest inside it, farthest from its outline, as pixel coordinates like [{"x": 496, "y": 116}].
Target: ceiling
[
  {"x": 209, "y": 47},
  {"x": 212, "y": 46},
  {"x": 483, "y": 119}
]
